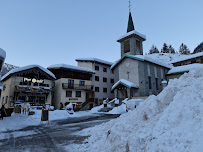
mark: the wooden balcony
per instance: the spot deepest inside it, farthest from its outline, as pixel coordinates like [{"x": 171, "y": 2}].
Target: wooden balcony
[{"x": 77, "y": 86}]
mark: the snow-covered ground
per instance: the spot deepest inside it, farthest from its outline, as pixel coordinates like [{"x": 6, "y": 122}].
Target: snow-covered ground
[
  {"x": 169, "y": 122},
  {"x": 18, "y": 121}
]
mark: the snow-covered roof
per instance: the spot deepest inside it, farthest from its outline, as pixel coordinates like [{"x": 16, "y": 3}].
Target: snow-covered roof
[
  {"x": 184, "y": 68},
  {"x": 187, "y": 57},
  {"x": 70, "y": 67},
  {"x": 125, "y": 83},
  {"x": 166, "y": 57},
  {"x": 132, "y": 33},
  {"x": 2, "y": 53},
  {"x": 27, "y": 68},
  {"x": 142, "y": 58},
  {"x": 95, "y": 60}
]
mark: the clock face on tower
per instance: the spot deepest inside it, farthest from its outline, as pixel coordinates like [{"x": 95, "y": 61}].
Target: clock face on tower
[{"x": 127, "y": 65}]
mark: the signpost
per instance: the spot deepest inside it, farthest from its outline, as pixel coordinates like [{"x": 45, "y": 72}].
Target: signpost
[{"x": 45, "y": 115}]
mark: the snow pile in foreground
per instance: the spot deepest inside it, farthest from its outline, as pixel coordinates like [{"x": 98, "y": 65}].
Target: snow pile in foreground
[{"x": 171, "y": 121}]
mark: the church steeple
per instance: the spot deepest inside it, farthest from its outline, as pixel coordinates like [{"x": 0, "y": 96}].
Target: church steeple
[{"x": 130, "y": 23}]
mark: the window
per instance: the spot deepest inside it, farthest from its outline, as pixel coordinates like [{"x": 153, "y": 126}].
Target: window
[
  {"x": 82, "y": 83},
  {"x": 150, "y": 83},
  {"x": 97, "y": 68},
  {"x": 6, "y": 99},
  {"x": 70, "y": 84},
  {"x": 112, "y": 91},
  {"x": 104, "y": 79},
  {"x": 105, "y": 69},
  {"x": 127, "y": 46},
  {"x": 105, "y": 90},
  {"x": 96, "y": 101},
  {"x": 112, "y": 80},
  {"x": 157, "y": 86},
  {"x": 138, "y": 45},
  {"x": 78, "y": 93},
  {"x": 96, "y": 78},
  {"x": 96, "y": 89},
  {"x": 68, "y": 93},
  {"x": 112, "y": 71},
  {"x": 2, "y": 102}
]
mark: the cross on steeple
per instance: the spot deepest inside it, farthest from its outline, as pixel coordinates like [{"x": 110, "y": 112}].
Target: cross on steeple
[{"x": 129, "y": 6}]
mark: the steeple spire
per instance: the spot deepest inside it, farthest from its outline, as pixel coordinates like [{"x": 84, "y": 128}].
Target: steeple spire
[{"x": 130, "y": 20}]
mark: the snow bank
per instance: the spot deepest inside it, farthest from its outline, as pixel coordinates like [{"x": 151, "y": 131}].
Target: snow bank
[
  {"x": 171, "y": 121},
  {"x": 18, "y": 121},
  {"x": 96, "y": 109},
  {"x": 118, "y": 110}
]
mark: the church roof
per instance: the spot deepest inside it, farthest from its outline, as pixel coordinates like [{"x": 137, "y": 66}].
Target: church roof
[
  {"x": 130, "y": 24},
  {"x": 126, "y": 83},
  {"x": 141, "y": 58},
  {"x": 132, "y": 33}
]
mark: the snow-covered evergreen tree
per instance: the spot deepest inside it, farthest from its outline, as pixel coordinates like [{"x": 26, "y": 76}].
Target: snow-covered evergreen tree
[
  {"x": 153, "y": 50},
  {"x": 171, "y": 49},
  {"x": 183, "y": 49},
  {"x": 199, "y": 48},
  {"x": 165, "y": 48}
]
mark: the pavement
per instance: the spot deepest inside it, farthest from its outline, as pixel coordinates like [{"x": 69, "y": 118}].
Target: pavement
[{"x": 50, "y": 137}]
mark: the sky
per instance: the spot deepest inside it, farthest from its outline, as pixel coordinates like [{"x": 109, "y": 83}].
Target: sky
[{"x": 47, "y": 32}]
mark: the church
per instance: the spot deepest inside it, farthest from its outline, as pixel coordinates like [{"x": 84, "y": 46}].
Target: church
[{"x": 136, "y": 75}]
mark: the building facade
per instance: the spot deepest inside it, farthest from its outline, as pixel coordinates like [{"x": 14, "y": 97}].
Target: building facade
[
  {"x": 73, "y": 84},
  {"x": 31, "y": 84},
  {"x": 102, "y": 80}
]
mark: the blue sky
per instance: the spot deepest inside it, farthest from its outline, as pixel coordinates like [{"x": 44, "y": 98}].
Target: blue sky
[{"x": 49, "y": 32}]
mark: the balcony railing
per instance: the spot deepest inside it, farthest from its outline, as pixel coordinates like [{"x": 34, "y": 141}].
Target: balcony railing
[
  {"x": 76, "y": 86},
  {"x": 33, "y": 89}
]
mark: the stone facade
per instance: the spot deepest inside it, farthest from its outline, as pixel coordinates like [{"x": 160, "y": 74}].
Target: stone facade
[{"x": 138, "y": 72}]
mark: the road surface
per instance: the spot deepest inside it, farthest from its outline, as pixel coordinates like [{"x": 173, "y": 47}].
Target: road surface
[{"x": 50, "y": 137}]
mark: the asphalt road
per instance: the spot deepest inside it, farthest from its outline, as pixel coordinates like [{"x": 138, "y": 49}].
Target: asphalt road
[{"x": 50, "y": 137}]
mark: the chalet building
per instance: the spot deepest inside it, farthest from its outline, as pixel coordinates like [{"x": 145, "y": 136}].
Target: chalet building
[
  {"x": 31, "y": 84},
  {"x": 73, "y": 84},
  {"x": 102, "y": 80},
  {"x": 136, "y": 75},
  {"x": 189, "y": 59}
]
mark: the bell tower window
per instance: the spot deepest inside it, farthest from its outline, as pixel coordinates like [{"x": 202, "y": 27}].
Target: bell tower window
[{"x": 127, "y": 46}]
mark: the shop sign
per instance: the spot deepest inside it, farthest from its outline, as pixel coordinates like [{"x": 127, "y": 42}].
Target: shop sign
[
  {"x": 33, "y": 80},
  {"x": 73, "y": 98}
]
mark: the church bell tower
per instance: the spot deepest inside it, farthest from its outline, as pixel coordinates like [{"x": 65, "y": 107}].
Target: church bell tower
[{"x": 131, "y": 42}]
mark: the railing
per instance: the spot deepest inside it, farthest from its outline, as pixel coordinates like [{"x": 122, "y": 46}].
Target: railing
[
  {"x": 76, "y": 86},
  {"x": 34, "y": 89}
]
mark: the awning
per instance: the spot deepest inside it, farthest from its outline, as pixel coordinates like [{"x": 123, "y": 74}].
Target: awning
[{"x": 124, "y": 82}]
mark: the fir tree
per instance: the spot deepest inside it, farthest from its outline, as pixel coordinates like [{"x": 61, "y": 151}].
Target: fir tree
[
  {"x": 183, "y": 49},
  {"x": 165, "y": 48},
  {"x": 153, "y": 50},
  {"x": 199, "y": 48},
  {"x": 171, "y": 49}
]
